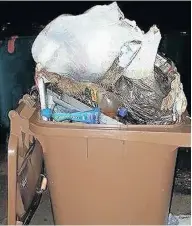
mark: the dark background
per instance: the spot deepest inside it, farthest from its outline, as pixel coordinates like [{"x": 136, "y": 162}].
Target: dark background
[{"x": 167, "y": 15}]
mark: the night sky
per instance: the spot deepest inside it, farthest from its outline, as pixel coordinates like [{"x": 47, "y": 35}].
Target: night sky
[{"x": 171, "y": 15}]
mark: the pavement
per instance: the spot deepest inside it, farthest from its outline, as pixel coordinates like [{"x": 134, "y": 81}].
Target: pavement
[{"x": 181, "y": 201}]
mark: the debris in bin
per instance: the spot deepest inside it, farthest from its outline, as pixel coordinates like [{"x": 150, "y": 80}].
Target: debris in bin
[
  {"x": 109, "y": 103},
  {"x": 42, "y": 94},
  {"x": 90, "y": 94},
  {"x": 157, "y": 99},
  {"x": 144, "y": 97},
  {"x": 89, "y": 117},
  {"x": 89, "y": 43},
  {"x": 51, "y": 99},
  {"x": 129, "y": 74},
  {"x": 62, "y": 109},
  {"x": 122, "y": 112},
  {"x": 72, "y": 104}
]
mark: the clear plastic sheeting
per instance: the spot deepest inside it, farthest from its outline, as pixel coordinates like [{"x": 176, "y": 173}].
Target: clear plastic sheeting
[
  {"x": 88, "y": 93},
  {"x": 104, "y": 60},
  {"x": 83, "y": 47},
  {"x": 156, "y": 99}
]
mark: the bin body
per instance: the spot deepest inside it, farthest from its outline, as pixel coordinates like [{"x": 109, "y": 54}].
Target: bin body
[
  {"x": 16, "y": 74},
  {"x": 106, "y": 175},
  {"x": 109, "y": 181}
]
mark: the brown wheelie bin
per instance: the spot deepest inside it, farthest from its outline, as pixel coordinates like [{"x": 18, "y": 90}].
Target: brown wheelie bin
[{"x": 104, "y": 175}]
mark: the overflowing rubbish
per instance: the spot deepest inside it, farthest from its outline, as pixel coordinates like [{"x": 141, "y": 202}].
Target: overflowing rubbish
[
  {"x": 101, "y": 61},
  {"x": 83, "y": 47}
]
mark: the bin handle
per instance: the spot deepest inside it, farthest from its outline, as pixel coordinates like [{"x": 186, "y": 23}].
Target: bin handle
[
  {"x": 35, "y": 202},
  {"x": 12, "y": 179},
  {"x": 11, "y": 44},
  {"x": 43, "y": 186}
]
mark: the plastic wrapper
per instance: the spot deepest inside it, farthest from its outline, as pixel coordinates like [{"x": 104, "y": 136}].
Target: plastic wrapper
[
  {"x": 83, "y": 47},
  {"x": 70, "y": 104},
  {"x": 156, "y": 99},
  {"x": 88, "y": 93}
]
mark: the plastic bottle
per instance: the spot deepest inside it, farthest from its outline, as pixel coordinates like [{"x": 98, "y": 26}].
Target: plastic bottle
[
  {"x": 109, "y": 104},
  {"x": 122, "y": 112}
]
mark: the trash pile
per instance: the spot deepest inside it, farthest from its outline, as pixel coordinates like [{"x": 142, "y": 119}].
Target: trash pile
[{"x": 101, "y": 68}]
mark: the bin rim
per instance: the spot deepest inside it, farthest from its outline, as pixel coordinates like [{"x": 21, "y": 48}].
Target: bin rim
[{"x": 178, "y": 135}]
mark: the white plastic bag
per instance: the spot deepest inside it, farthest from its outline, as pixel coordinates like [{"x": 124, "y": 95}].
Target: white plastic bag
[
  {"x": 83, "y": 47},
  {"x": 143, "y": 64}
]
